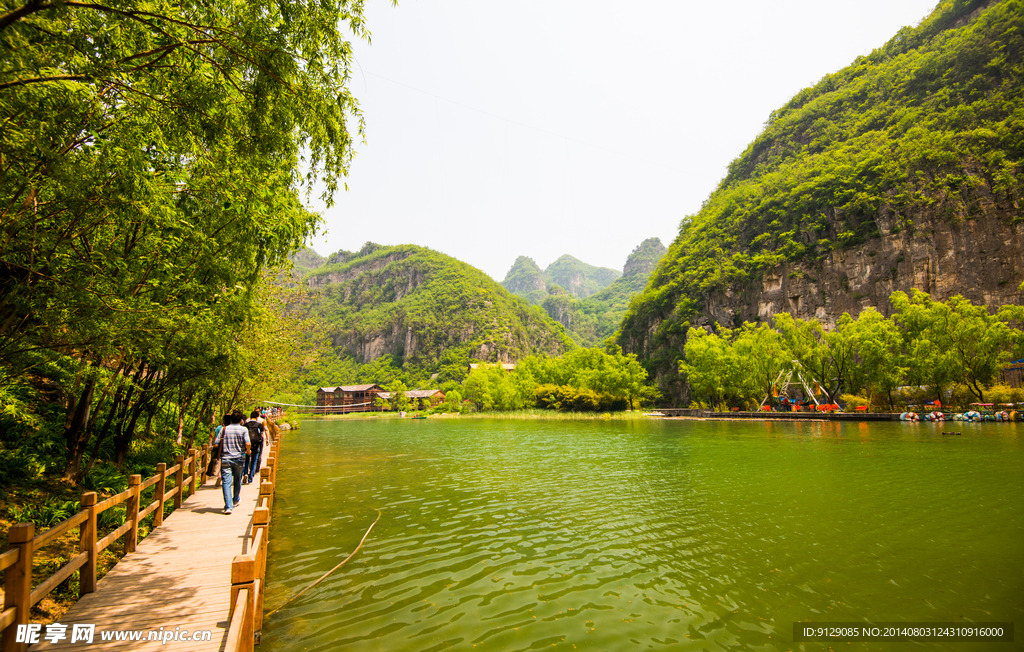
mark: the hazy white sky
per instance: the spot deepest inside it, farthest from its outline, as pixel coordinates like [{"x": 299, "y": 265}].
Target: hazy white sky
[{"x": 497, "y": 129}]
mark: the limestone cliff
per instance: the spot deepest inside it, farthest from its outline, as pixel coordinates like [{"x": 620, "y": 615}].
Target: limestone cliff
[{"x": 981, "y": 258}]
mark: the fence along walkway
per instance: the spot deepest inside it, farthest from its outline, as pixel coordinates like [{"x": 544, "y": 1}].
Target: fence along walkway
[{"x": 200, "y": 570}]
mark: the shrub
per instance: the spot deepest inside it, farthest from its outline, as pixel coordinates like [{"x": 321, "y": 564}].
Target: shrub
[
  {"x": 567, "y": 398},
  {"x": 852, "y": 401},
  {"x": 46, "y": 515},
  {"x": 1004, "y": 394},
  {"x": 105, "y": 478}
]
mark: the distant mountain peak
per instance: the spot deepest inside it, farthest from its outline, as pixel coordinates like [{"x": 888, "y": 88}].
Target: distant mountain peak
[
  {"x": 644, "y": 258},
  {"x": 578, "y": 278},
  {"x": 524, "y": 277}
]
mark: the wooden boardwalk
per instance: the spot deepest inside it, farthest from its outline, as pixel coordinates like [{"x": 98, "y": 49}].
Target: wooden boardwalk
[{"x": 178, "y": 577}]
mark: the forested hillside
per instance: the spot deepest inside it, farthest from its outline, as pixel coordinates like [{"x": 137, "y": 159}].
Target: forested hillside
[
  {"x": 575, "y": 277},
  {"x": 526, "y": 280},
  {"x": 407, "y": 312},
  {"x": 899, "y": 172},
  {"x": 592, "y": 320},
  {"x": 578, "y": 278}
]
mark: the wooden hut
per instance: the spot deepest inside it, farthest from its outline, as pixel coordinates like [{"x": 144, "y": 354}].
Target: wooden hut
[
  {"x": 424, "y": 399},
  {"x": 419, "y": 399},
  {"x": 1013, "y": 375},
  {"x": 346, "y": 398}
]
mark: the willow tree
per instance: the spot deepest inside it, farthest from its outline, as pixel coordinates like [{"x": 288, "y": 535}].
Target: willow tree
[
  {"x": 827, "y": 355},
  {"x": 880, "y": 353},
  {"x": 953, "y": 341},
  {"x": 153, "y": 158}
]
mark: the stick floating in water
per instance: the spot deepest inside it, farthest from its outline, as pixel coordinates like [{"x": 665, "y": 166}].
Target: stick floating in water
[{"x": 328, "y": 573}]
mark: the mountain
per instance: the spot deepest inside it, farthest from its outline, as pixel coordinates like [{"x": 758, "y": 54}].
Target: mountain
[
  {"x": 418, "y": 306},
  {"x": 578, "y": 278},
  {"x": 305, "y": 261},
  {"x": 900, "y": 171},
  {"x": 592, "y": 320},
  {"x": 639, "y": 265},
  {"x": 526, "y": 280},
  {"x": 571, "y": 274}
]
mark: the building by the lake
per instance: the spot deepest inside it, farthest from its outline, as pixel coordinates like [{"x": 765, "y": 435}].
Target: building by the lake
[
  {"x": 420, "y": 399},
  {"x": 346, "y": 398},
  {"x": 361, "y": 398}
]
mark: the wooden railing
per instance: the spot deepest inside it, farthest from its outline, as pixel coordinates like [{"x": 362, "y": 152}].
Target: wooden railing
[
  {"x": 18, "y": 595},
  {"x": 248, "y": 571}
]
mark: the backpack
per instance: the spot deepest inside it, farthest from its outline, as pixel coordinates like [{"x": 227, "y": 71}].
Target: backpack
[{"x": 255, "y": 432}]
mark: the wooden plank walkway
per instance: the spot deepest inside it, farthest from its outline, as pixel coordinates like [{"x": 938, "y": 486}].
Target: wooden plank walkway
[{"x": 178, "y": 576}]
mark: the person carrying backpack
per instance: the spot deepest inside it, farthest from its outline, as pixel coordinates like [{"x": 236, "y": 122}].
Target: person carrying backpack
[{"x": 252, "y": 469}]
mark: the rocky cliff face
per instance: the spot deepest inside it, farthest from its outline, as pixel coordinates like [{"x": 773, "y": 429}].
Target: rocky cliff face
[{"x": 981, "y": 258}]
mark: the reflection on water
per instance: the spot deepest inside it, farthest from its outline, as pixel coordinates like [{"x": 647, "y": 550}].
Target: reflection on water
[{"x": 520, "y": 535}]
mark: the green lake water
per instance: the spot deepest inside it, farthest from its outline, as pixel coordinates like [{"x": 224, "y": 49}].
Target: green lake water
[{"x": 661, "y": 534}]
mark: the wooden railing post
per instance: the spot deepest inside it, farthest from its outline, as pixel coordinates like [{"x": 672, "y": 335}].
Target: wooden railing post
[
  {"x": 179, "y": 479},
  {"x": 243, "y": 576},
  {"x": 192, "y": 455},
  {"x": 205, "y": 461},
  {"x": 158, "y": 493},
  {"x": 87, "y": 543},
  {"x": 272, "y": 463},
  {"x": 18, "y": 583},
  {"x": 266, "y": 488},
  {"x": 132, "y": 505},
  {"x": 260, "y": 521}
]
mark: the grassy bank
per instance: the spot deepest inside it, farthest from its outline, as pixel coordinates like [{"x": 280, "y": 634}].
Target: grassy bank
[{"x": 532, "y": 414}]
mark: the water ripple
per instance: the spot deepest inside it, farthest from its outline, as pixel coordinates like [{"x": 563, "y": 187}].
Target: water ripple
[{"x": 502, "y": 536}]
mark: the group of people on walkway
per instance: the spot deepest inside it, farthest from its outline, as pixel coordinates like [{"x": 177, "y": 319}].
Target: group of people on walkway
[{"x": 238, "y": 446}]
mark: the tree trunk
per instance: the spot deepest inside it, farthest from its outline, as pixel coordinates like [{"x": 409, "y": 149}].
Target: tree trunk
[
  {"x": 182, "y": 407},
  {"x": 123, "y": 439},
  {"x": 124, "y": 434},
  {"x": 75, "y": 434},
  {"x": 195, "y": 425},
  {"x": 112, "y": 413}
]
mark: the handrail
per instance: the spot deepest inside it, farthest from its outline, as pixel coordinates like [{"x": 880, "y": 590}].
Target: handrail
[
  {"x": 17, "y": 561},
  {"x": 113, "y": 501},
  {"x": 8, "y": 559},
  {"x": 113, "y": 536},
  {"x": 246, "y": 594},
  {"x": 59, "y": 529},
  {"x": 65, "y": 572},
  {"x": 249, "y": 571},
  {"x": 7, "y": 617}
]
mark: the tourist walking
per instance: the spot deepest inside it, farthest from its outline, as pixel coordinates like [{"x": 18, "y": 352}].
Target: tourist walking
[
  {"x": 211, "y": 468},
  {"x": 256, "y": 430},
  {"x": 234, "y": 441}
]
